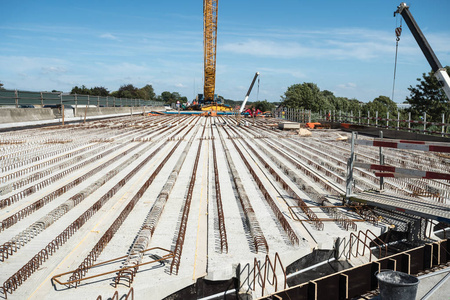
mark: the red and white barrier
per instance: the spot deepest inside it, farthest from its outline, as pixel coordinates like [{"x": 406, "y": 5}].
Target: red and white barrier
[
  {"x": 407, "y": 145},
  {"x": 400, "y": 172}
]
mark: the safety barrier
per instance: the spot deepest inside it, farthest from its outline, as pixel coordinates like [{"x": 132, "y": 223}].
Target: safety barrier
[{"x": 357, "y": 281}]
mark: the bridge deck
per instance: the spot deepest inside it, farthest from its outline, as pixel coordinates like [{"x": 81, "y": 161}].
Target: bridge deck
[{"x": 423, "y": 208}]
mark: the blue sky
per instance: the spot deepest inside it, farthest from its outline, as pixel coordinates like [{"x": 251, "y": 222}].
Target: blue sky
[{"x": 346, "y": 47}]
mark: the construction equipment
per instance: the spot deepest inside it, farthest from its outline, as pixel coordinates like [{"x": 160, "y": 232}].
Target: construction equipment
[
  {"x": 209, "y": 100},
  {"x": 210, "y": 9},
  {"x": 248, "y": 93},
  {"x": 439, "y": 71}
]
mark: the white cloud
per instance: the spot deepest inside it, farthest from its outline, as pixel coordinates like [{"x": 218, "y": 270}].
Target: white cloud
[
  {"x": 29, "y": 64},
  {"x": 293, "y": 72},
  {"x": 53, "y": 69},
  {"x": 330, "y": 49},
  {"x": 109, "y": 36},
  {"x": 339, "y": 43},
  {"x": 347, "y": 86}
]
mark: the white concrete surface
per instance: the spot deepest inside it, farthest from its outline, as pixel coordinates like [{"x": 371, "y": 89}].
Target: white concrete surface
[{"x": 201, "y": 256}]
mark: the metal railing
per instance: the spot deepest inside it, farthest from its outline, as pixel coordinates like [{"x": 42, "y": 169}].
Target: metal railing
[
  {"x": 402, "y": 121},
  {"x": 295, "y": 115},
  {"x": 397, "y": 121},
  {"x": 26, "y": 99}
]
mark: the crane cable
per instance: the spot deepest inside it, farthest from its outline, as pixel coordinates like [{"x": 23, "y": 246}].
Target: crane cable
[
  {"x": 398, "y": 32},
  {"x": 257, "y": 92}
]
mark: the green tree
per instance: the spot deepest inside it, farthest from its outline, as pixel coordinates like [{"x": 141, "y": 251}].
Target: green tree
[
  {"x": 263, "y": 105},
  {"x": 127, "y": 91},
  {"x": 382, "y": 105},
  {"x": 170, "y": 98},
  {"x": 1, "y": 86},
  {"x": 331, "y": 101},
  {"x": 147, "y": 92},
  {"x": 95, "y": 91},
  {"x": 99, "y": 91},
  {"x": 83, "y": 90},
  {"x": 305, "y": 96},
  {"x": 428, "y": 97},
  {"x": 166, "y": 96},
  {"x": 354, "y": 105}
]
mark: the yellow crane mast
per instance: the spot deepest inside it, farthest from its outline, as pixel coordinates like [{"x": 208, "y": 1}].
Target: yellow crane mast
[{"x": 209, "y": 47}]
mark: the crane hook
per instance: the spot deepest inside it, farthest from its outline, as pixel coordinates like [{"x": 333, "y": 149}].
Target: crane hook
[{"x": 398, "y": 32}]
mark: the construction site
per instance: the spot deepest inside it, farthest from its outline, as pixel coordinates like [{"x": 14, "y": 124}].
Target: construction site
[
  {"x": 139, "y": 203},
  {"x": 158, "y": 202}
]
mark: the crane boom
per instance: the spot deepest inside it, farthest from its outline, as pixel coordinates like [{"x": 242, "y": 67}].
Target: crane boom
[
  {"x": 248, "y": 93},
  {"x": 439, "y": 72},
  {"x": 210, "y": 8}
]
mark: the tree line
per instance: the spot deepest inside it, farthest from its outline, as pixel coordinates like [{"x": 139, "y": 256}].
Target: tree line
[
  {"x": 426, "y": 97},
  {"x": 130, "y": 91}
]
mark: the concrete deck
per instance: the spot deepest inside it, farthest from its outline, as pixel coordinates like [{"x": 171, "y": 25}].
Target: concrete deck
[{"x": 299, "y": 167}]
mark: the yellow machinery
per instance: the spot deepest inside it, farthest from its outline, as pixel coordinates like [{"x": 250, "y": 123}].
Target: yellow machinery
[
  {"x": 208, "y": 101},
  {"x": 210, "y": 8}
]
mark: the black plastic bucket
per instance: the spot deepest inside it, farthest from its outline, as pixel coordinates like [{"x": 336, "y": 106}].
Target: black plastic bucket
[{"x": 396, "y": 285}]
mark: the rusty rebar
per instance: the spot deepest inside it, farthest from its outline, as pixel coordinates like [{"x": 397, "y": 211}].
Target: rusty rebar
[
  {"x": 185, "y": 216},
  {"x": 220, "y": 214}
]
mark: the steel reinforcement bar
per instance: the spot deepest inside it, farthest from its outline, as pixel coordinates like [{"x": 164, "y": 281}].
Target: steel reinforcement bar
[
  {"x": 37, "y": 227},
  {"x": 46, "y": 163},
  {"x": 276, "y": 210},
  {"x": 135, "y": 255},
  {"x": 61, "y": 166},
  {"x": 185, "y": 216},
  {"x": 32, "y": 155},
  {"x": 259, "y": 241},
  {"x": 220, "y": 214},
  {"x": 90, "y": 259},
  {"x": 13, "y": 282},
  {"x": 33, "y": 189},
  {"x": 307, "y": 171},
  {"x": 306, "y": 210},
  {"x": 341, "y": 218},
  {"x": 16, "y": 217}
]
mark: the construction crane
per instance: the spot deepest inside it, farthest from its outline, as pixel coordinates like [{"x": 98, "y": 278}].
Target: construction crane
[
  {"x": 208, "y": 100},
  {"x": 439, "y": 72},
  {"x": 210, "y": 8}
]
